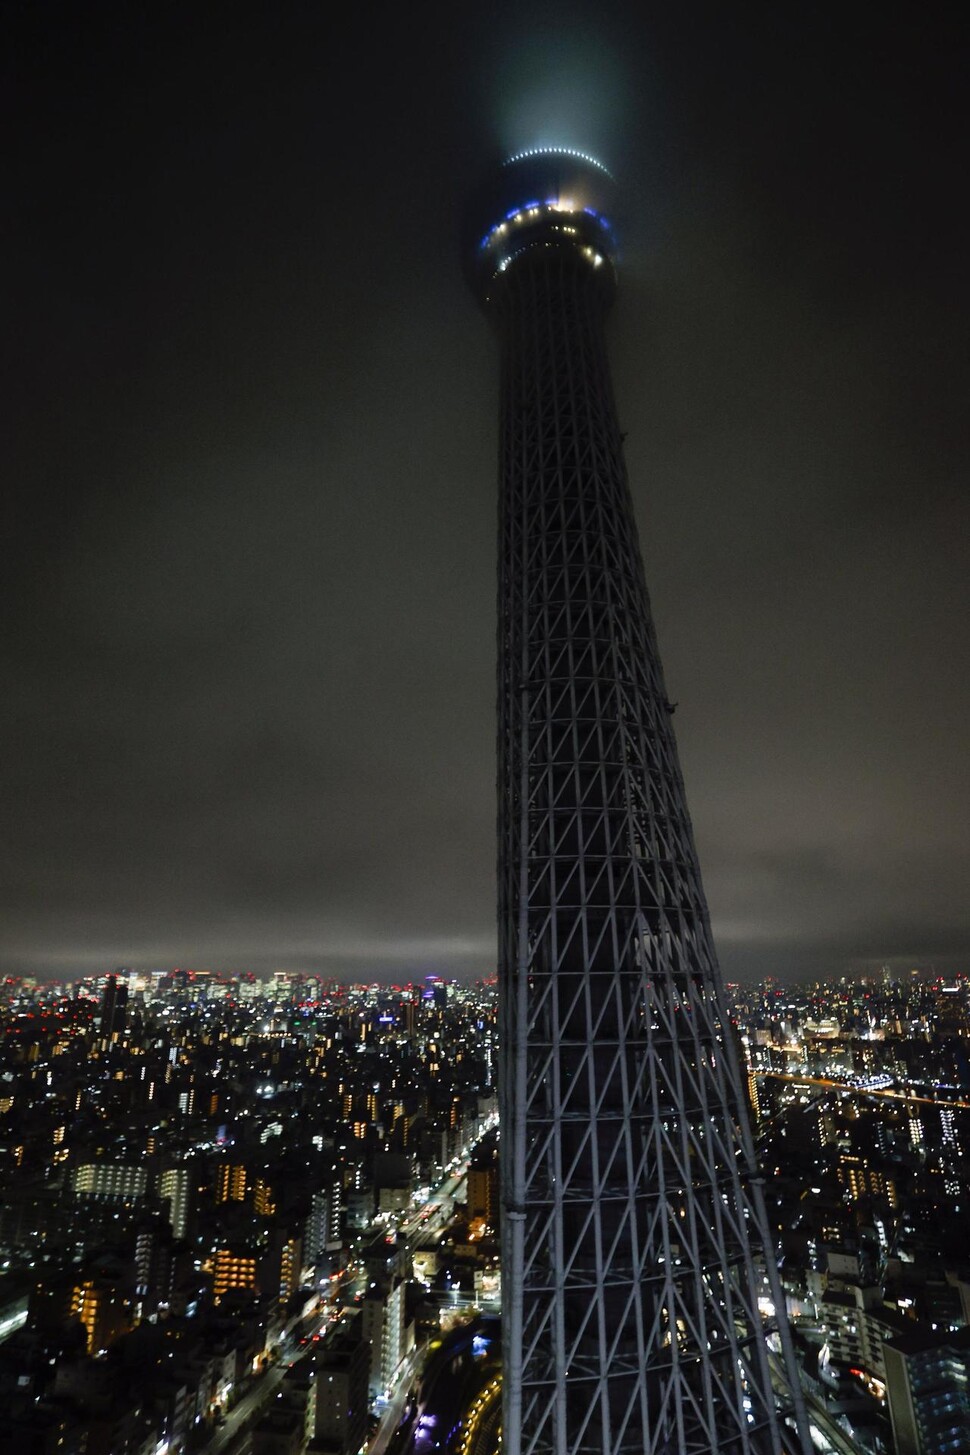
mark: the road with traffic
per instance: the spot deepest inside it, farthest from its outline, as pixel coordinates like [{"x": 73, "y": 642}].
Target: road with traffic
[{"x": 422, "y": 1228}]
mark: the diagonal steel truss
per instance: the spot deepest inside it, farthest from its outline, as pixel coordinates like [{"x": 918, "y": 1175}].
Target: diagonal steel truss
[{"x": 635, "y": 1242}]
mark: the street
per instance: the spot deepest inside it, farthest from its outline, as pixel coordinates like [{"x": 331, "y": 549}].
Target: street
[{"x": 422, "y": 1229}]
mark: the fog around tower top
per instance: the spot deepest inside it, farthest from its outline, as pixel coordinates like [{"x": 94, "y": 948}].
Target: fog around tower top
[
  {"x": 577, "y": 85},
  {"x": 572, "y": 92}
]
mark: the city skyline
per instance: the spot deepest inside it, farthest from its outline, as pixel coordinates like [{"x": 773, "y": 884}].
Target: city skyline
[
  {"x": 178, "y": 1150},
  {"x": 249, "y": 639}
]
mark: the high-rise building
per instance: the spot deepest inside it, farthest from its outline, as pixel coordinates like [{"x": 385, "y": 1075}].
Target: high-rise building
[
  {"x": 174, "y": 1189},
  {"x": 321, "y": 1235},
  {"x": 230, "y": 1182},
  {"x": 635, "y": 1244},
  {"x": 153, "y": 1261},
  {"x": 482, "y": 1194},
  {"x": 234, "y": 1268},
  {"x": 114, "y": 1007},
  {"x": 99, "y": 1305},
  {"x": 928, "y": 1388},
  {"x": 342, "y": 1369},
  {"x": 383, "y": 1327},
  {"x": 289, "y": 1250},
  {"x": 124, "y": 1181}
]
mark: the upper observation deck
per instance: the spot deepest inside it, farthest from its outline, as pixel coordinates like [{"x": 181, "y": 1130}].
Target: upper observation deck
[{"x": 550, "y": 197}]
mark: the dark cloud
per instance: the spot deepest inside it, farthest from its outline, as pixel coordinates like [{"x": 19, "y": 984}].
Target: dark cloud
[{"x": 249, "y": 600}]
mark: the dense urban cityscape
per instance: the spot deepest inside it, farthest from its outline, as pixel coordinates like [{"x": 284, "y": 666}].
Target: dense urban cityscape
[{"x": 260, "y": 1215}]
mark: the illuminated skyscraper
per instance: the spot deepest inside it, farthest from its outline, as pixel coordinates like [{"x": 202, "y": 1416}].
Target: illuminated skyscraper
[
  {"x": 634, "y": 1231},
  {"x": 114, "y": 1007}
]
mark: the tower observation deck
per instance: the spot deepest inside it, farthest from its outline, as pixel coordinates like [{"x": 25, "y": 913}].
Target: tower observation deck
[{"x": 634, "y": 1239}]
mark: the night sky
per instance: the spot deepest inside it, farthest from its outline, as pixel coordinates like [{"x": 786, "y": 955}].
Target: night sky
[{"x": 249, "y": 485}]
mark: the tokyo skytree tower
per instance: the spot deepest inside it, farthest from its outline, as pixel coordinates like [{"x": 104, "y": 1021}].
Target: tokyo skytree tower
[{"x": 634, "y": 1240}]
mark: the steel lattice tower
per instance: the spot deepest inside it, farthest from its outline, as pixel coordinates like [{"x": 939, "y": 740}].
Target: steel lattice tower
[{"x": 633, "y": 1232}]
